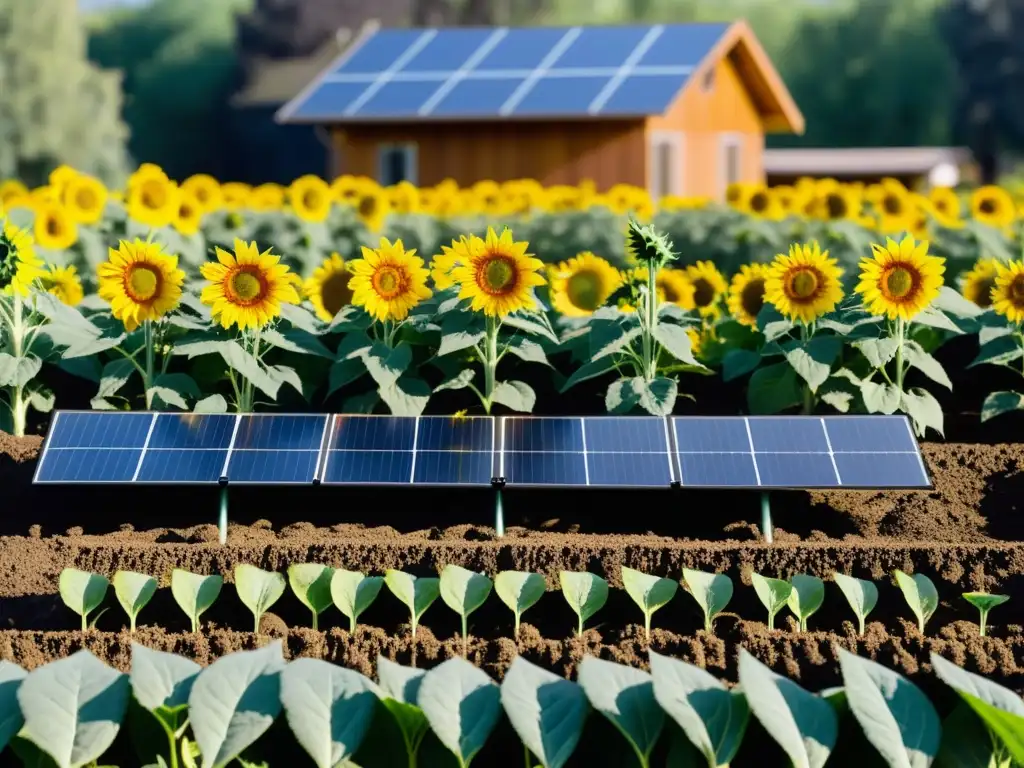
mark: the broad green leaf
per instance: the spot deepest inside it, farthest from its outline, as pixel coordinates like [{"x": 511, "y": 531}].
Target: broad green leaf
[
  {"x": 860, "y": 594},
  {"x": 984, "y": 602},
  {"x": 739, "y": 362},
  {"x": 161, "y": 682},
  {"x": 649, "y": 592},
  {"x": 329, "y": 709},
  {"x": 967, "y": 742},
  {"x": 923, "y": 409},
  {"x": 18, "y": 371},
  {"x": 462, "y": 705},
  {"x": 920, "y": 594},
  {"x": 609, "y": 337},
  {"x": 175, "y": 389},
  {"x": 713, "y": 718},
  {"x": 774, "y": 595},
  {"x": 880, "y": 397},
  {"x": 234, "y": 701},
  {"x": 1007, "y": 726},
  {"x": 464, "y": 591},
  {"x": 416, "y": 593},
  {"x": 194, "y": 593},
  {"x": 353, "y": 593},
  {"x": 773, "y": 388},
  {"x": 82, "y": 592},
  {"x": 297, "y": 340},
  {"x": 73, "y": 708},
  {"x": 343, "y": 372},
  {"x": 386, "y": 364},
  {"x": 11, "y": 720},
  {"x": 998, "y": 403},
  {"x": 675, "y": 340},
  {"x": 878, "y": 352},
  {"x": 548, "y": 712},
  {"x": 926, "y": 364},
  {"x": 258, "y": 589},
  {"x": 712, "y": 591},
  {"x": 657, "y": 397},
  {"x": 406, "y": 397},
  {"x": 515, "y": 395},
  {"x": 134, "y": 591},
  {"x": 625, "y": 696},
  {"x": 237, "y": 358},
  {"x": 527, "y": 349},
  {"x": 812, "y": 360},
  {"x": 953, "y": 302},
  {"x": 585, "y": 592},
  {"x": 806, "y": 598},
  {"x": 895, "y": 716},
  {"x": 936, "y": 318},
  {"x": 526, "y": 322},
  {"x": 519, "y": 591},
  {"x": 461, "y": 380},
  {"x": 589, "y": 370},
  {"x": 804, "y": 725},
  {"x": 1000, "y": 350},
  {"x": 311, "y": 583},
  {"x": 459, "y": 331},
  {"x": 211, "y": 404},
  {"x": 284, "y": 374},
  {"x": 399, "y": 692}
]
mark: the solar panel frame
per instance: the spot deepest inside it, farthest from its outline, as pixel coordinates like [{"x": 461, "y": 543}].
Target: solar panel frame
[
  {"x": 234, "y": 450},
  {"x": 50, "y": 439}
]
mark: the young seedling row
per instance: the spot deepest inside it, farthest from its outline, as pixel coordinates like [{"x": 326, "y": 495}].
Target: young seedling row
[{"x": 318, "y": 587}]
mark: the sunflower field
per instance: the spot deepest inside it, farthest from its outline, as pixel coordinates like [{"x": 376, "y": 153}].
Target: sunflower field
[{"x": 207, "y": 296}]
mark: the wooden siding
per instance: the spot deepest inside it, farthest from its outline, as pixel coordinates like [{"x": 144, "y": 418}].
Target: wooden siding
[{"x": 608, "y": 152}]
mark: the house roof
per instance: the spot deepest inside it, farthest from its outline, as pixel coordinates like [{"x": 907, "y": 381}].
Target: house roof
[
  {"x": 862, "y": 161},
  {"x": 488, "y": 73}
]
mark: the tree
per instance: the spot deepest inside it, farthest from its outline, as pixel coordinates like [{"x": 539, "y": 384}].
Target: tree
[{"x": 56, "y": 107}]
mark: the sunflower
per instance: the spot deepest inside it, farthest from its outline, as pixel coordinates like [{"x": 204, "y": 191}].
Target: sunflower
[
  {"x": 901, "y": 279},
  {"x": 696, "y": 341},
  {"x": 140, "y": 281},
  {"x": 441, "y": 267},
  {"x": 328, "y": 288},
  {"x": 763, "y": 203},
  {"x": 11, "y": 192},
  {"x": 746, "y": 293},
  {"x": 497, "y": 273},
  {"x": 1008, "y": 292},
  {"x": 945, "y": 202},
  {"x": 267, "y": 197},
  {"x": 675, "y": 287},
  {"x": 61, "y": 176},
  {"x": 190, "y": 214},
  {"x": 54, "y": 227},
  {"x": 246, "y": 287},
  {"x": 84, "y": 199},
  {"x": 993, "y": 206},
  {"x": 805, "y": 284},
  {"x": 708, "y": 286},
  {"x": 153, "y": 201},
  {"x": 837, "y": 203},
  {"x": 373, "y": 206},
  {"x": 389, "y": 280},
  {"x": 19, "y": 265},
  {"x": 234, "y": 195},
  {"x": 582, "y": 284},
  {"x": 206, "y": 191},
  {"x": 64, "y": 283},
  {"x": 977, "y": 284},
  {"x": 310, "y": 198},
  {"x": 403, "y": 197}
]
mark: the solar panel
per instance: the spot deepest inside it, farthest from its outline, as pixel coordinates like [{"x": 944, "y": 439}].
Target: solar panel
[
  {"x": 186, "y": 448},
  {"x": 281, "y": 449},
  {"x": 601, "y": 451},
  {"x": 527, "y": 72},
  {"x": 798, "y": 452},
  {"x": 93, "y": 447}
]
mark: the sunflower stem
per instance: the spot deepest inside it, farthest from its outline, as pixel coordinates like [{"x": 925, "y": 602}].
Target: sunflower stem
[
  {"x": 19, "y": 407},
  {"x": 650, "y": 353},
  {"x": 805, "y": 336},
  {"x": 147, "y": 384},
  {"x": 490, "y": 360},
  {"x": 900, "y": 333}
]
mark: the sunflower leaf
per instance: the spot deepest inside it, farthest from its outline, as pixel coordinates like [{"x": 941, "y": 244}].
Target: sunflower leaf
[
  {"x": 936, "y": 318},
  {"x": 676, "y": 341},
  {"x": 18, "y": 371},
  {"x": 296, "y": 340},
  {"x": 460, "y": 330},
  {"x": 998, "y": 403},
  {"x": 284, "y": 374},
  {"x": 739, "y": 362},
  {"x": 813, "y": 360},
  {"x": 211, "y": 404},
  {"x": 460, "y": 380},
  {"x": 773, "y": 388},
  {"x": 923, "y": 409},
  {"x": 406, "y": 397},
  {"x": 344, "y": 372},
  {"x": 918, "y": 358},
  {"x": 657, "y": 397},
  {"x": 880, "y": 397},
  {"x": 589, "y": 370},
  {"x": 386, "y": 364},
  {"x": 173, "y": 388},
  {"x": 115, "y": 375},
  {"x": 516, "y": 395},
  {"x": 878, "y": 352},
  {"x": 999, "y": 350},
  {"x": 302, "y": 320},
  {"x": 527, "y": 349},
  {"x": 523, "y": 322}
]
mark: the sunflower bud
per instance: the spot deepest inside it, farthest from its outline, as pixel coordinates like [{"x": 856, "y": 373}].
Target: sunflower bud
[{"x": 647, "y": 246}]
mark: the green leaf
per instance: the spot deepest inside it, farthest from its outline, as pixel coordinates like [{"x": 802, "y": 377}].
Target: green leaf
[
  {"x": 459, "y": 331},
  {"x": 234, "y": 701},
  {"x": 41, "y": 398},
  {"x": 813, "y": 360},
  {"x": 297, "y": 340},
  {"x": 657, "y": 397},
  {"x": 774, "y": 595},
  {"x": 713, "y": 718},
  {"x": 649, "y": 592},
  {"x": 406, "y": 397},
  {"x": 806, "y": 598},
  {"x": 926, "y": 364},
  {"x": 519, "y": 590},
  {"x": 515, "y": 395},
  {"x": 984, "y": 601},
  {"x": 81, "y": 591},
  {"x": 589, "y": 370},
  {"x": 18, "y": 371},
  {"x": 73, "y": 708},
  {"x": 674, "y": 339},
  {"x": 923, "y": 409},
  {"x": 953, "y": 302},
  {"x": 967, "y": 742},
  {"x": 134, "y": 591},
  {"x": 194, "y": 593},
  {"x": 258, "y": 589},
  {"x": 462, "y": 705},
  {"x": 998, "y": 403},
  {"x": 311, "y": 583},
  {"x": 880, "y": 398},
  {"x": 211, "y": 404},
  {"x": 235, "y": 358},
  {"x": 161, "y": 682},
  {"x": 772, "y": 324},
  {"x": 11, "y": 720},
  {"x": 610, "y": 336},
  {"x": 712, "y": 591},
  {"x": 348, "y": 319},
  {"x": 353, "y": 593},
  {"x": 895, "y": 716},
  {"x": 804, "y": 725},
  {"x": 920, "y": 594},
  {"x": 860, "y": 594},
  {"x": 528, "y": 350},
  {"x": 283, "y": 374},
  {"x": 174, "y": 388},
  {"x": 400, "y": 691},
  {"x": 461, "y": 380},
  {"x": 773, "y": 388},
  {"x": 463, "y": 590},
  {"x": 386, "y": 364},
  {"x": 344, "y": 372},
  {"x": 329, "y": 709},
  {"x": 1001, "y": 350},
  {"x": 115, "y": 375},
  {"x": 417, "y": 594},
  {"x": 1007, "y": 726},
  {"x": 739, "y": 362},
  {"x": 625, "y": 696},
  {"x": 547, "y": 712},
  {"x": 936, "y": 318},
  {"x": 878, "y": 352},
  {"x": 585, "y": 592},
  {"x": 524, "y": 322}
]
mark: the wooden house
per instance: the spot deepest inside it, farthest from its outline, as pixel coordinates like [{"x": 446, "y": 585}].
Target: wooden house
[{"x": 680, "y": 109}]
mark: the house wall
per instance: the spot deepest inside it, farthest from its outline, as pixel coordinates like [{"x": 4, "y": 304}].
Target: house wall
[{"x": 608, "y": 152}]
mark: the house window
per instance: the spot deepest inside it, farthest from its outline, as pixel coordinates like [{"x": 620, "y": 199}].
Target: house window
[
  {"x": 732, "y": 160},
  {"x": 666, "y": 164},
  {"x": 395, "y": 163}
]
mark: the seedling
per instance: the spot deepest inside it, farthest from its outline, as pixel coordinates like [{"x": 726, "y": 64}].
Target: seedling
[
  {"x": 648, "y": 592},
  {"x": 134, "y": 591},
  {"x": 464, "y": 591},
  {"x": 353, "y": 593},
  {"x": 712, "y": 591},
  {"x": 194, "y": 593},
  {"x": 585, "y": 593},
  {"x": 920, "y": 594},
  {"x": 773, "y": 593},
  {"x": 860, "y": 594},
  {"x": 417, "y": 594},
  {"x": 806, "y": 598},
  {"x": 258, "y": 590},
  {"x": 82, "y": 592},
  {"x": 984, "y": 602},
  {"x": 519, "y": 591},
  {"x": 311, "y": 583}
]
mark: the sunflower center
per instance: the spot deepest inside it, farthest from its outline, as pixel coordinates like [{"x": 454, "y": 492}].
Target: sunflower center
[
  {"x": 982, "y": 291},
  {"x": 584, "y": 290},
  {"x": 892, "y": 205},
  {"x": 987, "y": 205},
  {"x": 8, "y": 260},
  {"x": 53, "y": 226},
  {"x": 1016, "y": 291},
  {"x": 367, "y": 205},
  {"x": 335, "y": 293},
  {"x": 703, "y": 292},
  {"x": 497, "y": 275},
  {"x": 246, "y": 286},
  {"x": 752, "y": 297},
  {"x": 311, "y": 199},
  {"x": 803, "y": 284},
  {"x": 185, "y": 212},
  {"x": 899, "y": 282},
  {"x": 836, "y": 206},
  {"x": 759, "y": 202},
  {"x": 86, "y": 199},
  {"x": 153, "y": 194},
  {"x": 142, "y": 282},
  {"x": 202, "y": 195},
  {"x": 667, "y": 293}
]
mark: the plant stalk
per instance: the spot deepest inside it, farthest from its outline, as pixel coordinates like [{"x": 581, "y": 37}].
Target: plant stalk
[
  {"x": 147, "y": 326},
  {"x": 647, "y": 626},
  {"x": 650, "y": 352},
  {"x": 465, "y": 639},
  {"x": 85, "y": 622},
  {"x": 351, "y": 624},
  {"x": 490, "y": 361},
  {"x": 19, "y": 408},
  {"x": 983, "y": 623},
  {"x": 900, "y": 333},
  {"x": 174, "y": 746},
  {"x": 860, "y": 620},
  {"x": 808, "y": 406},
  {"x": 316, "y": 620}
]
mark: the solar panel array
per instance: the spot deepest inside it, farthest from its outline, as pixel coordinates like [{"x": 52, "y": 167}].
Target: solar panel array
[
  {"x": 764, "y": 452},
  {"x": 539, "y": 72}
]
